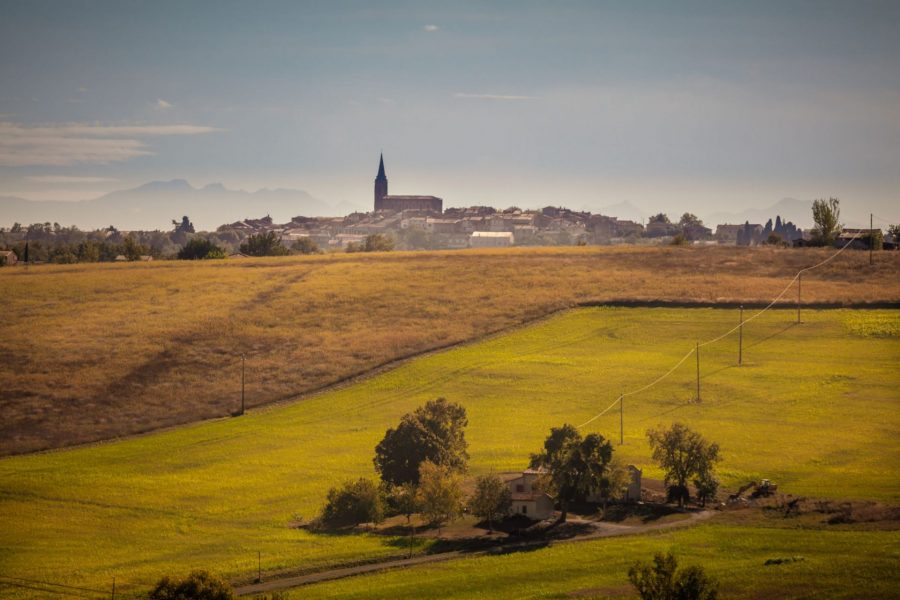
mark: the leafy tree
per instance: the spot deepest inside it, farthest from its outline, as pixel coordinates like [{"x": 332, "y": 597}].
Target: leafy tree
[
  {"x": 826, "y": 215},
  {"x": 264, "y": 244},
  {"x": 306, "y": 246},
  {"x": 132, "y": 249},
  {"x": 659, "y": 218},
  {"x": 440, "y": 496},
  {"x": 574, "y": 465},
  {"x": 434, "y": 432},
  {"x": 199, "y": 248},
  {"x": 682, "y": 454},
  {"x": 353, "y": 503},
  {"x": 894, "y": 232},
  {"x": 774, "y": 239},
  {"x": 663, "y": 581},
  {"x": 707, "y": 486},
  {"x": 615, "y": 483},
  {"x": 199, "y": 585},
  {"x": 405, "y": 500},
  {"x": 378, "y": 242},
  {"x": 492, "y": 499},
  {"x": 184, "y": 227},
  {"x": 689, "y": 220}
]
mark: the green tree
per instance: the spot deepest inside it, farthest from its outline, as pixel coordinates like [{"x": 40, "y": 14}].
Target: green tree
[
  {"x": 615, "y": 483},
  {"x": 707, "y": 486},
  {"x": 439, "y": 493},
  {"x": 492, "y": 499},
  {"x": 663, "y": 581},
  {"x": 353, "y": 503},
  {"x": 826, "y": 215},
  {"x": 199, "y": 585},
  {"x": 405, "y": 500},
  {"x": 894, "y": 232},
  {"x": 306, "y": 246},
  {"x": 378, "y": 242},
  {"x": 659, "y": 218},
  {"x": 132, "y": 249},
  {"x": 682, "y": 454},
  {"x": 199, "y": 248},
  {"x": 434, "y": 432},
  {"x": 264, "y": 244},
  {"x": 574, "y": 466}
]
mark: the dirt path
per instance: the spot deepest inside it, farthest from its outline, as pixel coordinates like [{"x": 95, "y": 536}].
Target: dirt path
[{"x": 603, "y": 530}]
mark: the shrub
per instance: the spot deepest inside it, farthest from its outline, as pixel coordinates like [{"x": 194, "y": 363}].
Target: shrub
[
  {"x": 199, "y": 585},
  {"x": 200, "y": 248},
  {"x": 354, "y": 503},
  {"x": 662, "y": 581}
]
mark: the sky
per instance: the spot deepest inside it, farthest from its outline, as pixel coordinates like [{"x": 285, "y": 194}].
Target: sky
[{"x": 672, "y": 106}]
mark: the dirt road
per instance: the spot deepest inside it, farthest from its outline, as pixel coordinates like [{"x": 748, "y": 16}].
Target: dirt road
[{"x": 602, "y": 530}]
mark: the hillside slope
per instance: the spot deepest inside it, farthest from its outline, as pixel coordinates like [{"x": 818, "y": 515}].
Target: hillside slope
[{"x": 92, "y": 352}]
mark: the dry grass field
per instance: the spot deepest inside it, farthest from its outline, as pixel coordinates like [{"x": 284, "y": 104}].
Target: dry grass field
[{"x": 93, "y": 352}]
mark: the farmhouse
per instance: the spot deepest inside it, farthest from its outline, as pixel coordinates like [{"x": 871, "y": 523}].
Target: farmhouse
[
  {"x": 8, "y": 257},
  {"x": 527, "y": 499}
]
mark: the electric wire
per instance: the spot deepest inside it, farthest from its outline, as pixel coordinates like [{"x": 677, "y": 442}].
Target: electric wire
[{"x": 724, "y": 335}]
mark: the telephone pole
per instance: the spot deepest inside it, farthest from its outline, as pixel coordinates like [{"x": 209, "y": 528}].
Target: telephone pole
[
  {"x": 697, "y": 350},
  {"x": 242, "y": 384},
  {"x": 622, "y": 418},
  {"x": 871, "y": 240}
]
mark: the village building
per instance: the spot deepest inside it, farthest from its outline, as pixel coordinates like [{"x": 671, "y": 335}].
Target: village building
[
  {"x": 491, "y": 239},
  {"x": 527, "y": 499},
  {"x": 384, "y": 201}
]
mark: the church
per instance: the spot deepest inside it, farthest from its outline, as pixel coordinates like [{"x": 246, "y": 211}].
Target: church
[{"x": 400, "y": 203}]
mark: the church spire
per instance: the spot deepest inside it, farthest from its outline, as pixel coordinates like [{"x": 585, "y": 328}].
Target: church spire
[
  {"x": 381, "y": 174},
  {"x": 381, "y": 184}
]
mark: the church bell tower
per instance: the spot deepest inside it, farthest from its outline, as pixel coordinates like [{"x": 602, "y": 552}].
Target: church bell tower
[{"x": 381, "y": 188}]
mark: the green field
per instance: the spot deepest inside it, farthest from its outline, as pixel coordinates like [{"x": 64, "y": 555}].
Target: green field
[
  {"x": 815, "y": 408},
  {"x": 735, "y": 555}
]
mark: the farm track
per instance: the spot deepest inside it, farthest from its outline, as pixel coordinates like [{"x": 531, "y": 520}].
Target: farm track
[{"x": 607, "y": 531}]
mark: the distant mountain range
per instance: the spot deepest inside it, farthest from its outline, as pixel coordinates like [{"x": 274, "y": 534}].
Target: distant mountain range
[{"x": 154, "y": 205}]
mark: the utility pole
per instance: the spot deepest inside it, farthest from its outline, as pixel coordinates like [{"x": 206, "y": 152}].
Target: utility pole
[
  {"x": 622, "y": 419},
  {"x": 697, "y": 351},
  {"x": 242, "y": 384},
  {"x": 871, "y": 240},
  {"x": 741, "y": 338},
  {"x": 799, "y": 287}
]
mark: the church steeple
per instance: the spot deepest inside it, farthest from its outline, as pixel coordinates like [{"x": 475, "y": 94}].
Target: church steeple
[{"x": 381, "y": 184}]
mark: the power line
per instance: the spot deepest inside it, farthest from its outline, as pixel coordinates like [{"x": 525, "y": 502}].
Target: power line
[{"x": 727, "y": 333}]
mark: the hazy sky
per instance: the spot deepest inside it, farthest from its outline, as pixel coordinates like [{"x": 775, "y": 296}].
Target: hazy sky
[{"x": 674, "y": 106}]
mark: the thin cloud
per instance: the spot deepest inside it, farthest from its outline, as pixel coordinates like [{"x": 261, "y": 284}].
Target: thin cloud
[
  {"x": 79, "y": 143},
  {"x": 68, "y": 179},
  {"x": 163, "y": 105},
  {"x": 430, "y": 28},
  {"x": 493, "y": 97}
]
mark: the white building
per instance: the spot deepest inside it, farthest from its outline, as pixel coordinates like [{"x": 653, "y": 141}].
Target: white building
[
  {"x": 491, "y": 239},
  {"x": 527, "y": 499}
]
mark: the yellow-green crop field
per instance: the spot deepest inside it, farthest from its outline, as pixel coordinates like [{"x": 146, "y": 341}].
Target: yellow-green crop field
[
  {"x": 833, "y": 564},
  {"x": 814, "y": 407}
]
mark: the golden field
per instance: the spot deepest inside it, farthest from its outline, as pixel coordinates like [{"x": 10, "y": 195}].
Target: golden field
[{"x": 92, "y": 352}]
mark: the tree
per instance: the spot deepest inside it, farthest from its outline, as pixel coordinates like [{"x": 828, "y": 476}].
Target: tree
[
  {"x": 615, "y": 483},
  {"x": 199, "y": 585},
  {"x": 200, "y": 248},
  {"x": 378, "y": 242},
  {"x": 682, "y": 454},
  {"x": 707, "y": 486},
  {"x": 353, "y": 503},
  {"x": 184, "y": 227},
  {"x": 440, "y": 496},
  {"x": 659, "y": 218},
  {"x": 132, "y": 249},
  {"x": 264, "y": 244},
  {"x": 405, "y": 500},
  {"x": 434, "y": 432},
  {"x": 574, "y": 466},
  {"x": 305, "y": 245},
  {"x": 690, "y": 220},
  {"x": 492, "y": 499},
  {"x": 663, "y": 581},
  {"x": 826, "y": 215},
  {"x": 894, "y": 232}
]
